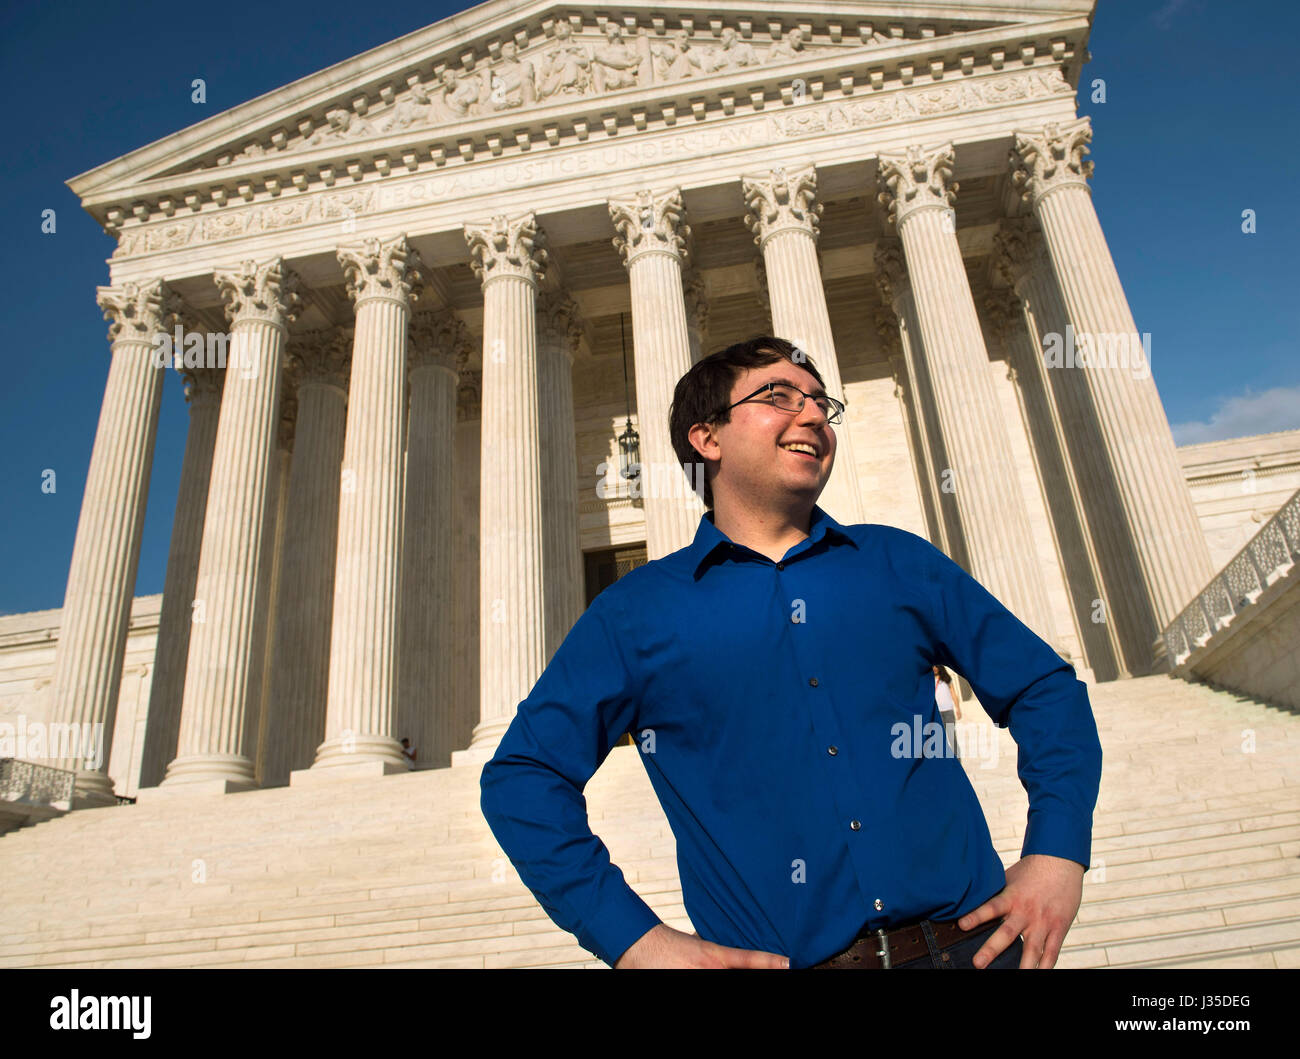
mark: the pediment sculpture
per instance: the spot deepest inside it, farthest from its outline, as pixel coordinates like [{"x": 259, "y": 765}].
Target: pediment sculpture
[{"x": 561, "y": 67}]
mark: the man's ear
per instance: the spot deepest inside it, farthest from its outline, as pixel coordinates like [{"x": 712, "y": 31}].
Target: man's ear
[{"x": 703, "y": 440}]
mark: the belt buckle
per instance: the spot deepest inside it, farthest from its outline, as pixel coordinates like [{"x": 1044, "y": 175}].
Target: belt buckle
[{"x": 883, "y": 951}]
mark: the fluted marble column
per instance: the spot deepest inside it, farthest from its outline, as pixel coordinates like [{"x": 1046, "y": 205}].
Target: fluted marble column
[
  {"x": 299, "y": 676},
  {"x": 273, "y": 540},
  {"x": 905, "y": 392},
  {"x": 203, "y": 394},
  {"x": 466, "y": 694},
  {"x": 509, "y": 260},
  {"x": 439, "y": 348},
  {"x": 219, "y": 713},
  {"x": 101, "y": 578},
  {"x": 1057, "y": 424},
  {"x": 382, "y": 278},
  {"x": 783, "y": 215},
  {"x": 1022, "y": 260},
  {"x": 652, "y": 237},
  {"x": 1138, "y": 453},
  {"x": 941, "y": 505},
  {"x": 1034, "y": 447},
  {"x": 558, "y": 334},
  {"x": 918, "y": 192}
]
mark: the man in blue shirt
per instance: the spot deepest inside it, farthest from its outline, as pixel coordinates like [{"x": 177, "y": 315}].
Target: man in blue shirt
[{"x": 773, "y": 674}]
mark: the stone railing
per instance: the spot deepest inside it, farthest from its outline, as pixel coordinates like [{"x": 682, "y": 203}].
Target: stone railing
[
  {"x": 36, "y": 785},
  {"x": 1266, "y": 556}
]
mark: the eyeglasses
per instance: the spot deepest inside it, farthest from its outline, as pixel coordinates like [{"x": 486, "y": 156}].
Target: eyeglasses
[{"x": 791, "y": 399}]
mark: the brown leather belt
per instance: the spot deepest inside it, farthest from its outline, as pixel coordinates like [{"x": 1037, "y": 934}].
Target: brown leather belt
[{"x": 883, "y": 949}]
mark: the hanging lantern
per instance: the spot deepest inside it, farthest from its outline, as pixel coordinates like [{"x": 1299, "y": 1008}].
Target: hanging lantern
[
  {"x": 629, "y": 452},
  {"x": 629, "y": 443}
]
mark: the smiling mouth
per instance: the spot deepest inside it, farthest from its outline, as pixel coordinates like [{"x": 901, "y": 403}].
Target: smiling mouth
[{"x": 797, "y": 452}]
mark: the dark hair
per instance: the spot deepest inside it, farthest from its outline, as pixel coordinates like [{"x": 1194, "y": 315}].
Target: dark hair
[{"x": 703, "y": 393}]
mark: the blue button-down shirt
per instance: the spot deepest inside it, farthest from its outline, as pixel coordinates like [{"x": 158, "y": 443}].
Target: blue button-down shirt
[{"x": 780, "y": 711}]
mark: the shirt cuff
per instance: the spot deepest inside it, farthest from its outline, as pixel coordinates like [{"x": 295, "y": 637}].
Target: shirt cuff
[
  {"x": 1058, "y": 835},
  {"x": 621, "y": 921}
]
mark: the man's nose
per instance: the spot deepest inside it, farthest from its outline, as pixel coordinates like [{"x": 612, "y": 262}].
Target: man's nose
[{"x": 811, "y": 414}]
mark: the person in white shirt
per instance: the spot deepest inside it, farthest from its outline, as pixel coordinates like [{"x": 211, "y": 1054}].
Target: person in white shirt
[{"x": 945, "y": 697}]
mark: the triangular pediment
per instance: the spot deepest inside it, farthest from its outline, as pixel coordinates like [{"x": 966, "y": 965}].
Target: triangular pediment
[{"x": 503, "y": 76}]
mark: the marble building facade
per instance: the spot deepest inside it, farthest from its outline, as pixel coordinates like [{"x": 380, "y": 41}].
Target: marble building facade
[{"x": 419, "y": 263}]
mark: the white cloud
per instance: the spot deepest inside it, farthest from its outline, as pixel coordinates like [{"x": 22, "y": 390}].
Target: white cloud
[
  {"x": 1245, "y": 414},
  {"x": 1164, "y": 17}
]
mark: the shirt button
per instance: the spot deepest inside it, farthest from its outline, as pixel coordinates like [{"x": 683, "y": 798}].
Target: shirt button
[
  {"x": 832, "y": 750},
  {"x": 780, "y": 566},
  {"x": 879, "y": 904},
  {"x": 813, "y": 681},
  {"x": 856, "y": 825}
]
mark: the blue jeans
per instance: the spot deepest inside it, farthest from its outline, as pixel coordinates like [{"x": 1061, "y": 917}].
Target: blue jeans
[{"x": 958, "y": 956}]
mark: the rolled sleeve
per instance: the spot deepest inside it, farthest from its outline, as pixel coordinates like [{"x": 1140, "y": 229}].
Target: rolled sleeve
[
  {"x": 531, "y": 790},
  {"x": 1025, "y": 686}
]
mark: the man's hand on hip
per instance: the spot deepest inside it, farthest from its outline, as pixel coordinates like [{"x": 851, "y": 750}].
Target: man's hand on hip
[
  {"x": 1039, "y": 902},
  {"x": 662, "y": 946}
]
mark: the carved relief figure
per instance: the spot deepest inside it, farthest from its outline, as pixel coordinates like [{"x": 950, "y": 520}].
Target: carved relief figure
[
  {"x": 512, "y": 82},
  {"x": 415, "y": 108},
  {"x": 343, "y": 125},
  {"x": 613, "y": 64},
  {"x": 566, "y": 67},
  {"x": 675, "y": 60},
  {"x": 730, "y": 53},
  {"x": 458, "y": 98},
  {"x": 788, "y": 47}
]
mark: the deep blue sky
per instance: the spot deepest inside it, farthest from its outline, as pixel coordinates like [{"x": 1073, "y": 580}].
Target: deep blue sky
[{"x": 1200, "y": 123}]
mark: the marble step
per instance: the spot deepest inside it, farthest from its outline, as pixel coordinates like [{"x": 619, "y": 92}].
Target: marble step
[
  {"x": 1263, "y": 899},
  {"x": 1195, "y": 851}
]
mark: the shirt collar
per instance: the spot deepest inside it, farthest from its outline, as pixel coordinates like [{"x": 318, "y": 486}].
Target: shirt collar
[{"x": 709, "y": 539}]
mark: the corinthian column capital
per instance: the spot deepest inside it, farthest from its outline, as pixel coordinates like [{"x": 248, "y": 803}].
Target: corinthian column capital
[
  {"x": 507, "y": 246},
  {"x": 203, "y": 385},
  {"x": 268, "y": 293},
  {"x": 891, "y": 271},
  {"x": 390, "y": 270},
  {"x": 287, "y": 426},
  {"x": 650, "y": 222},
  {"x": 469, "y": 394},
  {"x": 1015, "y": 244},
  {"x": 696, "y": 292},
  {"x": 438, "y": 338},
  {"x": 887, "y": 331},
  {"x": 918, "y": 178},
  {"x": 138, "y": 310},
  {"x": 559, "y": 324},
  {"x": 320, "y": 356},
  {"x": 1043, "y": 162},
  {"x": 1002, "y": 310},
  {"x": 783, "y": 201},
  {"x": 898, "y": 371}
]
